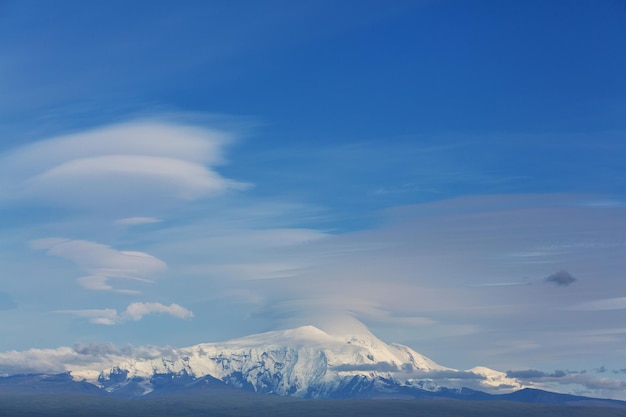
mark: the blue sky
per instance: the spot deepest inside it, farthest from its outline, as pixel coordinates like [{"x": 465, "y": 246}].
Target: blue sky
[{"x": 179, "y": 173}]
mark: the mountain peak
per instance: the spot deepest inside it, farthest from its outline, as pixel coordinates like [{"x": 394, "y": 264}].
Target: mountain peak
[
  {"x": 303, "y": 361},
  {"x": 344, "y": 327},
  {"x": 298, "y": 335},
  {"x": 332, "y": 334}
]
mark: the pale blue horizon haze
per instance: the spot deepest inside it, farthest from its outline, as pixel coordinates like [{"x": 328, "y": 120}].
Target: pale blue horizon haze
[{"x": 449, "y": 173}]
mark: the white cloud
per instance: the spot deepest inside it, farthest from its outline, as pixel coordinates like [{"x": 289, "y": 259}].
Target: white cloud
[
  {"x": 77, "y": 358},
  {"x": 38, "y": 360},
  {"x": 100, "y": 177},
  {"x": 135, "y": 311},
  {"x": 577, "y": 382},
  {"x": 139, "y": 164},
  {"x": 103, "y": 263}
]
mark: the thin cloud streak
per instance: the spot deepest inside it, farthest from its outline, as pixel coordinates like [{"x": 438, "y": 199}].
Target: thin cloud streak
[
  {"x": 615, "y": 303},
  {"x": 133, "y": 221},
  {"x": 135, "y": 312}
]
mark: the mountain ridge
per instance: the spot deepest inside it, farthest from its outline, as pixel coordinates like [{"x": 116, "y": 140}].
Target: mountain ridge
[
  {"x": 304, "y": 362},
  {"x": 295, "y": 362}
]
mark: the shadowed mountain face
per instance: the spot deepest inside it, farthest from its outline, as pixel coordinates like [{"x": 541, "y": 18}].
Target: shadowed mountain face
[{"x": 305, "y": 362}]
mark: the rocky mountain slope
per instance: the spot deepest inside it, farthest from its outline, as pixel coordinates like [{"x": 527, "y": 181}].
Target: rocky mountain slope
[{"x": 303, "y": 362}]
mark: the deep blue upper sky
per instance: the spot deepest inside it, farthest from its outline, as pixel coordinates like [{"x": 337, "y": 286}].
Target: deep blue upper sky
[
  {"x": 501, "y": 77},
  {"x": 258, "y": 163}
]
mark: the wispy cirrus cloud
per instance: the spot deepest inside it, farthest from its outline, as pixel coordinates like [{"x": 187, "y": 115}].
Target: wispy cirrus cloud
[
  {"x": 614, "y": 303},
  {"x": 136, "y": 311},
  {"x": 133, "y": 221}
]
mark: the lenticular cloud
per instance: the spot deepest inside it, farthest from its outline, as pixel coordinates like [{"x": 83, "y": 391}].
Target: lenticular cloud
[
  {"x": 140, "y": 164},
  {"x": 103, "y": 263}
]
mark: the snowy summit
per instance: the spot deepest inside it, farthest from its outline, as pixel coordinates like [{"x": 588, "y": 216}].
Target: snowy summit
[{"x": 304, "y": 362}]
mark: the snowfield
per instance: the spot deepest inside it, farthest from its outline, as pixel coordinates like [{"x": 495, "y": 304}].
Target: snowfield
[{"x": 304, "y": 361}]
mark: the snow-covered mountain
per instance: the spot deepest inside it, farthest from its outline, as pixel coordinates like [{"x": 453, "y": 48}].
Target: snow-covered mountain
[{"x": 304, "y": 362}]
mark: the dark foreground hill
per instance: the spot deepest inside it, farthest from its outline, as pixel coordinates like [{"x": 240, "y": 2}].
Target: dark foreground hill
[
  {"x": 243, "y": 404},
  {"x": 211, "y": 390}
]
